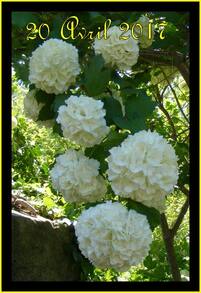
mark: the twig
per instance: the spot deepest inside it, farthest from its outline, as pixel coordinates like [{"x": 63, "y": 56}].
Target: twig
[
  {"x": 184, "y": 190},
  {"x": 167, "y": 58},
  {"x": 180, "y": 217},
  {"x": 183, "y": 131},
  {"x": 160, "y": 105},
  {"x": 164, "y": 90},
  {"x": 175, "y": 96}
]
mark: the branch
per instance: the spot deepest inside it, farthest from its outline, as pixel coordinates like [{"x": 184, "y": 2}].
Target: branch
[
  {"x": 184, "y": 190},
  {"x": 166, "y": 58},
  {"x": 164, "y": 90},
  {"x": 182, "y": 67},
  {"x": 175, "y": 96},
  {"x": 180, "y": 217},
  {"x": 183, "y": 131},
  {"x": 169, "y": 234},
  {"x": 168, "y": 239},
  {"x": 160, "y": 105}
]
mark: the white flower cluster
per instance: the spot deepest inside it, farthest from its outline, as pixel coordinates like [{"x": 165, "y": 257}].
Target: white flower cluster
[
  {"x": 110, "y": 236},
  {"x": 82, "y": 120},
  {"x": 77, "y": 177},
  {"x": 143, "y": 168},
  {"x": 144, "y": 40},
  {"x": 32, "y": 109},
  {"x": 54, "y": 66},
  {"x": 31, "y": 106},
  {"x": 121, "y": 53}
]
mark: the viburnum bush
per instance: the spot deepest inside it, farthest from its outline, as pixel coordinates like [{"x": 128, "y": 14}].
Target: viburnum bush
[{"x": 108, "y": 98}]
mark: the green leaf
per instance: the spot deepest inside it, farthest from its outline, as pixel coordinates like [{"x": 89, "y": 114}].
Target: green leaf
[
  {"x": 153, "y": 215},
  {"x": 113, "y": 109},
  {"x": 45, "y": 168},
  {"x": 57, "y": 24},
  {"x": 21, "y": 67},
  {"x": 101, "y": 152},
  {"x": 132, "y": 83},
  {"x": 182, "y": 151},
  {"x": 46, "y": 113},
  {"x": 48, "y": 202},
  {"x": 43, "y": 97},
  {"x": 21, "y": 19},
  {"x": 96, "y": 76},
  {"x": 58, "y": 101},
  {"x": 98, "y": 153},
  {"x": 132, "y": 124},
  {"x": 96, "y": 18},
  {"x": 149, "y": 263},
  {"x": 32, "y": 87},
  {"x": 138, "y": 107},
  {"x": 57, "y": 129}
]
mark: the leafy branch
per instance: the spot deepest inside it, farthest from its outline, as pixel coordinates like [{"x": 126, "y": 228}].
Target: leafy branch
[
  {"x": 159, "y": 99},
  {"x": 167, "y": 232},
  {"x": 175, "y": 96},
  {"x": 169, "y": 244},
  {"x": 180, "y": 218},
  {"x": 168, "y": 236}
]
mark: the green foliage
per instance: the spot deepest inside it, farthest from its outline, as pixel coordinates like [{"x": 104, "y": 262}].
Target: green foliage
[
  {"x": 96, "y": 76},
  {"x": 21, "y": 19},
  {"x": 182, "y": 151},
  {"x": 58, "y": 101},
  {"x": 101, "y": 152},
  {"x": 153, "y": 216},
  {"x": 155, "y": 266},
  {"x": 34, "y": 148},
  {"x": 137, "y": 109},
  {"x": 21, "y": 68},
  {"x": 43, "y": 97}
]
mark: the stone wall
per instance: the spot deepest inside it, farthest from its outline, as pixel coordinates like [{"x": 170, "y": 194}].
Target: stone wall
[{"x": 41, "y": 250}]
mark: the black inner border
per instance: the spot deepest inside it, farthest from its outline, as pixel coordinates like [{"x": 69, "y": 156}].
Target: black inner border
[{"x": 7, "y": 9}]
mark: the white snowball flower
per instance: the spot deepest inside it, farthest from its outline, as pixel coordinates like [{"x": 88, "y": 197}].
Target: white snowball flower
[
  {"x": 143, "y": 168},
  {"x": 32, "y": 109},
  {"x": 144, "y": 40},
  {"x": 121, "y": 53},
  {"x": 31, "y": 106},
  {"x": 110, "y": 236},
  {"x": 14, "y": 122},
  {"x": 82, "y": 120},
  {"x": 54, "y": 66},
  {"x": 77, "y": 177}
]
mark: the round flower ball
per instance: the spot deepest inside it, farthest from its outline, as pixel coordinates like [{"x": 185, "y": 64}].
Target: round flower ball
[
  {"x": 143, "y": 168},
  {"x": 82, "y": 120},
  {"x": 54, "y": 66},
  {"x": 32, "y": 109},
  {"x": 77, "y": 177},
  {"x": 120, "y": 53},
  {"x": 110, "y": 236},
  {"x": 31, "y": 106},
  {"x": 144, "y": 40}
]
